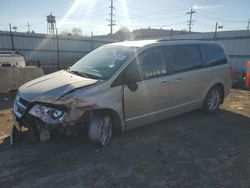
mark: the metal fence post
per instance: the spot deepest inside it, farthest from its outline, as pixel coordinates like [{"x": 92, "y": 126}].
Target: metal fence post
[
  {"x": 92, "y": 41},
  {"x": 57, "y": 50},
  {"x": 215, "y": 31}
]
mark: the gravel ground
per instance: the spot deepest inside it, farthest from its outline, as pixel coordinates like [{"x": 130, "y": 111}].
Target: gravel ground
[{"x": 190, "y": 150}]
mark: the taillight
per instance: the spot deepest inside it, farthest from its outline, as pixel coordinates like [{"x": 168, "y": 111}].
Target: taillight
[{"x": 231, "y": 71}]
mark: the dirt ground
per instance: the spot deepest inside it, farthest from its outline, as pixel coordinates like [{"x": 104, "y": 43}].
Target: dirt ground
[{"x": 190, "y": 150}]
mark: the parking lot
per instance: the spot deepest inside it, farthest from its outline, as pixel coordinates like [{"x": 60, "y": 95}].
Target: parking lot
[{"x": 190, "y": 150}]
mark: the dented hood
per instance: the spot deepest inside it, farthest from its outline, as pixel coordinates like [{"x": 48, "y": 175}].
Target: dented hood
[{"x": 53, "y": 85}]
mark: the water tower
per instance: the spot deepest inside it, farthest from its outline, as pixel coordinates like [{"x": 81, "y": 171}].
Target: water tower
[{"x": 51, "y": 24}]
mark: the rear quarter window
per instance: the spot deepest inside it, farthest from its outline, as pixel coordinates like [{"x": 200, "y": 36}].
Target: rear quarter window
[{"x": 213, "y": 55}]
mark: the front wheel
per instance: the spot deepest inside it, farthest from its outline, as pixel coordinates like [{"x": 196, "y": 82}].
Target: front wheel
[
  {"x": 213, "y": 100},
  {"x": 100, "y": 129}
]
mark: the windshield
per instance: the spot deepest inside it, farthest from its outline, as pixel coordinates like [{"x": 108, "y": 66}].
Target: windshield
[{"x": 102, "y": 62}]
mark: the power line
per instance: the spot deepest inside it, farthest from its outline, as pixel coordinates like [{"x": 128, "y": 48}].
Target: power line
[
  {"x": 149, "y": 11},
  {"x": 111, "y": 21},
  {"x": 190, "y": 22},
  {"x": 207, "y": 15},
  {"x": 149, "y": 17}
]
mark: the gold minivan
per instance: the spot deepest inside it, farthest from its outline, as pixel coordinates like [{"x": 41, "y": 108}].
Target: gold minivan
[{"x": 124, "y": 85}]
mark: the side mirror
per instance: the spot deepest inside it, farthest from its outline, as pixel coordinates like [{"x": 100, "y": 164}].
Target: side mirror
[{"x": 130, "y": 78}]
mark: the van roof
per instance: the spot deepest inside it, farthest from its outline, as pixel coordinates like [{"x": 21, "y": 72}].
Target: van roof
[
  {"x": 135, "y": 43},
  {"x": 142, "y": 43}
]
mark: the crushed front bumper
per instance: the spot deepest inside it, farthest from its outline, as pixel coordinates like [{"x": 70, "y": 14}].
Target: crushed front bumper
[
  {"x": 42, "y": 130},
  {"x": 76, "y": 118}
]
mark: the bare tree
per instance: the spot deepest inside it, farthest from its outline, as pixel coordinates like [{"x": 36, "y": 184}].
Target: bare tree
[
  {"x": 76, "y": 31},
  {"x": 64, "y": 32},
  {"x": 123, "y": 33}
]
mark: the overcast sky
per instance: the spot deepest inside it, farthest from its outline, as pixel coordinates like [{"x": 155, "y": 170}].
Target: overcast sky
[{"x": 92, "y": 15}]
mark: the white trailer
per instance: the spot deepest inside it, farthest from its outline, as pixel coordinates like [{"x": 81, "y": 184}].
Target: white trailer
[{"x": 11, "y": 59}]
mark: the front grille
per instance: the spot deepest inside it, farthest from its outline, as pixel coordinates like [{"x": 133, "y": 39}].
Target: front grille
[
  {"x": 23, "y": 102},
  {"x": 20, "y": 106}
]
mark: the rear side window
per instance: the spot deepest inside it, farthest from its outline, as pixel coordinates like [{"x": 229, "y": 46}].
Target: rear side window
[
  {"x": 185, "y": 57},
  {"x": 213, "y": 55}
]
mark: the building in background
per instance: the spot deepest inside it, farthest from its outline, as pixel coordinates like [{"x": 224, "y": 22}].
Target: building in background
[
  {"x": 140, "y": 34},
  {"x": 148, "y": 33}
]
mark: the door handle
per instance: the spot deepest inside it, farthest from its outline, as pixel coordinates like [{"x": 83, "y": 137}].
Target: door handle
[
  {"x": 178, "y": 79},
  {"x": 164, "y": 83}
]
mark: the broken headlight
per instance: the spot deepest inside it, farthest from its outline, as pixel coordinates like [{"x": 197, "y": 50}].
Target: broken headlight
[{"x": 47, "y": 114}]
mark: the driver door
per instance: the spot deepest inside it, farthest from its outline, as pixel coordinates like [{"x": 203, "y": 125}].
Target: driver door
[{"x": 153, "y": 95}]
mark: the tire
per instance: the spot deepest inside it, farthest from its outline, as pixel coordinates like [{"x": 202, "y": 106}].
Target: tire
[
  {"x": 15, "y": 136},
  {"x": 213, "y": 100},
  {"x": 100, "y": 129}
]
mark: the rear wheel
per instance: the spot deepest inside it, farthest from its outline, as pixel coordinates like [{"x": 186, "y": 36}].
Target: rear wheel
[
  {"x": 100, "y": 129},
  {"x": 213, "y": 100}
]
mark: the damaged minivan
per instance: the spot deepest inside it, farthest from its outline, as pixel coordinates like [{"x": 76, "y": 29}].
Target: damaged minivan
[{"x": 124, "y": 85}]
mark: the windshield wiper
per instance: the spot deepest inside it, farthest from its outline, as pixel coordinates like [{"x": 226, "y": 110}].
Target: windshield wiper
[{"x": 78, "y": 73}]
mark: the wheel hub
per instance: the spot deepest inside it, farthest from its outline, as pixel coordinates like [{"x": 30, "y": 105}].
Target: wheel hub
[
  {"x": 213, "y": 100},
  {"x": 106, "y": 130}
]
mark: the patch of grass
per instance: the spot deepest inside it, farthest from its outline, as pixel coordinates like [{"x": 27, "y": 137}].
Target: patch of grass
[{"x": 6, "y": 122}]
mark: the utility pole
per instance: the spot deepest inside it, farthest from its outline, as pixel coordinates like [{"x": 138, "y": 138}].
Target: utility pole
[
  {"x": 28, "y": 25},
  {"x": 190, "y": 21},
  {"x": 11, "y": 38},
  {"x": 248, "y": 24},
  {"x": 111, "y": 21}
]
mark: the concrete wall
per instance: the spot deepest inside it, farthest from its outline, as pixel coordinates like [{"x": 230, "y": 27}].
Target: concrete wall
[
  {"x": 43, "y": 49},
  {"x": 12, "y": 78}
]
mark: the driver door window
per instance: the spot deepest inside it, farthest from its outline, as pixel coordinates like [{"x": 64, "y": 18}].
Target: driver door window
[{"x": 149, "y": 64}]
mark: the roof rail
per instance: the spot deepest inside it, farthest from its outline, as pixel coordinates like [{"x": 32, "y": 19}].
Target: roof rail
[{"x": 203, "y": 39}]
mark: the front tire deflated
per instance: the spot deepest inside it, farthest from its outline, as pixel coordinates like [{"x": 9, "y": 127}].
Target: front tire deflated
[{"x": 100, "y": 129}]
